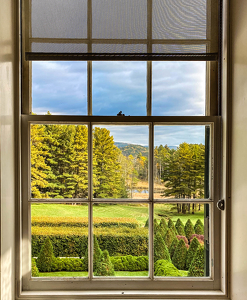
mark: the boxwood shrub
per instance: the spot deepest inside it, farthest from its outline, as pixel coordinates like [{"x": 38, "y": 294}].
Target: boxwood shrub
[
  {"x": 165, "y": 268},
  {"x": 130, "y": 263}
]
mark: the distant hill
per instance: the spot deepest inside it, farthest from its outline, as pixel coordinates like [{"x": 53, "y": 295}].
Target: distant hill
[{"x": 132, "y": 149}]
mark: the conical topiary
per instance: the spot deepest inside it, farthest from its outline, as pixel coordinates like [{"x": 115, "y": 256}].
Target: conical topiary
[
  {"x": 179, "y": 257},
  {"x": 163, "y": 224},
  {"x": 173, "y": 247},
  {"x": 172, "y": 226},
  {"x": 147, "y": 223},
  {"x": 196, "y": 268},
  {"x": 160, "y": 249},
  {"x": 45, "y": 257},
  {"x": 179, "y": 223},
  {"x": 96, "y": 253},
  {"x": 199, "y": 230},
  {"x": 169, "y": 237},
  {"x": 104, "y": 267},
  {"x": 180, "y": 230},
  {"x": 191, "y": 252},
  {"x": 85, "y": 260},
  {"x": 189, "y": 229},
  {"x": 156, "y": 226},
  {"x": 198, "y": 223}
]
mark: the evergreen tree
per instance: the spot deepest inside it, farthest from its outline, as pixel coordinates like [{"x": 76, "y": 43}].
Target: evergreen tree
[
  {"x": 156, "y": 226},
  {"x": 96, "y": 253},
  {"x": 163, "y": 224},
  {"x": 169, "y": 237},
  {"x": 172, "y": 226},
  {"x": 180, "y": 230},
  {"x": 147, "y": 223},
  {"x": 198, "y": 223},
  {"x": 189, "y": 229},
  {"x": 199, "y": 230},
  {"x": 173, "y": 247},
  {"x": 45, "y": 257},
  {"x": 105, "y": 267},
  {"x": 196, "y": 268},
  {"x": 179, "y": 223},
  {"x": 191, "y": 252},
  {"x": 179, "y": 257},
  {"x": 160, "y": 249},
  {"x": 106, "y": 166},
  {"x": 85, "y": 260}
]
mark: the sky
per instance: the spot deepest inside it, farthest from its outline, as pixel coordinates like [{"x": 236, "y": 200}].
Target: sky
[{"x": 178, "y": 88}]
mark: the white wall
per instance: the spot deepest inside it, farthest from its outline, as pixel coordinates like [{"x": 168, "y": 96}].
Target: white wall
[
  {"x": 238, "y": 25},
  {"x": 7, "y": 174}
]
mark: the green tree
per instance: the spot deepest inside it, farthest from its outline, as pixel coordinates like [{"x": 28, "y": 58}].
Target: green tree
[
  {"x": 189, "y": 229},
  {"x": 160, "y": 249},
  {"x": 106, "y": 166},
  {"x": 196, "y": 268},
  {"x": 45, "y": 257},
  {"x": 96, "y": 253},
  {"x": 172, "y": 226},
  {"x": 191, "y": 252},
  {"x": 169, "y": 237},
  {"x": 173, "y": 247},
  {"x": 105, "y": 267},
  {"x": 179, "y": 257}
]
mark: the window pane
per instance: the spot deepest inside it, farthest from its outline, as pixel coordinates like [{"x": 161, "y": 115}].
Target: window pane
[
  {"x": 120, "y": 239},
  {"x": 178, "y": 88},
  {"x": 59, "y": 240},
  {"x": 59, "y": 87},
  {"x": 119, "y": 86},
  {"x": 181, "y": 161},
  {"x": 120, "y": 161},
  {"x": 59, "y": 161},
  {"x": 181, "y": 242}
]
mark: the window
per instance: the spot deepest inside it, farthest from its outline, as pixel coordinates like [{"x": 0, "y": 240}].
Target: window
[{"x": 120, "y": 139}]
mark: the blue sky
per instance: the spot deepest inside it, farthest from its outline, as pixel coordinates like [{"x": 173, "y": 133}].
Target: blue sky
[{"x": 178, "y": 88}]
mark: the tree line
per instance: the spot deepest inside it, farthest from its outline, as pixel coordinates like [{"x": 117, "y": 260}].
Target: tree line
[{"x": 59, "y": 165}]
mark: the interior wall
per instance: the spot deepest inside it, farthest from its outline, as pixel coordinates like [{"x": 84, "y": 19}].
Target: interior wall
[
  {"x": 7, "y": 175},
  {"x": 238, "y": 27}
]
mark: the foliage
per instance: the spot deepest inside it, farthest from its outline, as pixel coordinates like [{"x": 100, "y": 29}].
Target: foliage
[
  {"x": 165, "y": 268},
  {"x": 180, "y": 227},
  {"x": 45, "y": 257},
  {"x": 147, "y": 223},
  {"x": 83, "y": 222},
  {"x": 197, "y": 265},
  {"x": 96, "y": 253},
  {"x": 130, "y": 263},
  {"x": 200, "y": 238},
  {"x": 189, "y": 229},
  {"x": 104, "y": 266},
  {"x": 184, "y": 171},
  {"x": 169, "y": 237},
  {"x": 160, "y": 249},
  {"x": 69, "y": 264},
  {"x": 156, "y": 226},
  {"x": 184, "y": 238},
  {"x": 199, "y": 230},
  {"x": 173, "y": 247},
  {"x": 198, "y": 223},
  {"x": 179, "y": 257},
  {"x": 35, "y": 270},
  {"x": 172, "y": 226},
  {"x": 163, "y": 224},
  {"x": 191, "y": 252},
  {"x": 72, "y": 242}
]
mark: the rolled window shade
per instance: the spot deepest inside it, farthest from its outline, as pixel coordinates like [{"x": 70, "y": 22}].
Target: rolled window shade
[{"x": 121, "y": 29}]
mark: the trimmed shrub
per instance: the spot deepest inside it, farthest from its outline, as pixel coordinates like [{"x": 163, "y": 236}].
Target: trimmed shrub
[
  {"x": 180, "y": 230},
  {"x": 179, "y": 223},
  {"x": 35, "y": 270},
  {"x": 83, "y": 222},
  {"x": 156, "y": 226},
  {"x": 199, "y": 230},
  {"x": 69, "y": 264},
  {"x": 198, "y": 223},
  {"x": 169, "y": 237},
  {"x": 85, "y": 260},
  {"x": 130, "y": 263},
  {"x": 147, "y": 223},
  {"x": 163, "y": 224},
  {"x": 46, "y": 257},
  {"x": 105, "y": 267},
  {"x": 179, "y": 257},
  {"x": 197, "y": 265},
  {"x": 165, "y": 268},
  {"x": 191, "y": 252},
  {"x": 173, "y": 247},
  {"x": 96, "y": 253},
  {"x": 160, "y": 249},
  {"x": 189, "y": 229},
  {"x": 200, "y": 238},
  {"x": 172, "y": 226},
  {"x": 179, "y": 237}
]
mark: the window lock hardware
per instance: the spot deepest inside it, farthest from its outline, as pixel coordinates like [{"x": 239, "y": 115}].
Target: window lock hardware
[
  {"x": 120, "y": 114},
  {"x": 221, "y": 204}
]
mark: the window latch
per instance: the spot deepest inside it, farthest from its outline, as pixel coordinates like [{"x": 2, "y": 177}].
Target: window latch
[{"x": 221, "y": 204}]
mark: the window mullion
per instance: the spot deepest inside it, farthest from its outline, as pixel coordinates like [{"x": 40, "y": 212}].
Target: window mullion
[
  {"x": 150, "y": 180},
  {"x": 90, "y": 197},
  {"x": 89, "y": 88}
]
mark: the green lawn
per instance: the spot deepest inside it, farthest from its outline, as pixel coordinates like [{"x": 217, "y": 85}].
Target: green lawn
[{"x": 136, "y": 211}]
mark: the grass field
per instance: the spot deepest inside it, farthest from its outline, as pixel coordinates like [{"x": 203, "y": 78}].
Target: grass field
[{"x": 136, "y": 211}]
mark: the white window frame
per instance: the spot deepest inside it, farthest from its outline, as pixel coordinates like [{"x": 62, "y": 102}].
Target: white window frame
[{"x": 181, "y": 288}]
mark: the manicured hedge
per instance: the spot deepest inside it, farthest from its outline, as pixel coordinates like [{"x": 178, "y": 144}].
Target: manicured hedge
[
  {"x": 35, "y": 270},
  {"x": 130, "y": 263},
  {"x": 165, "y": 268},
  {"x": 72, "y": 242},
  {"x": 83, "y": 222},
  {"x": 70, "y": 264}
]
